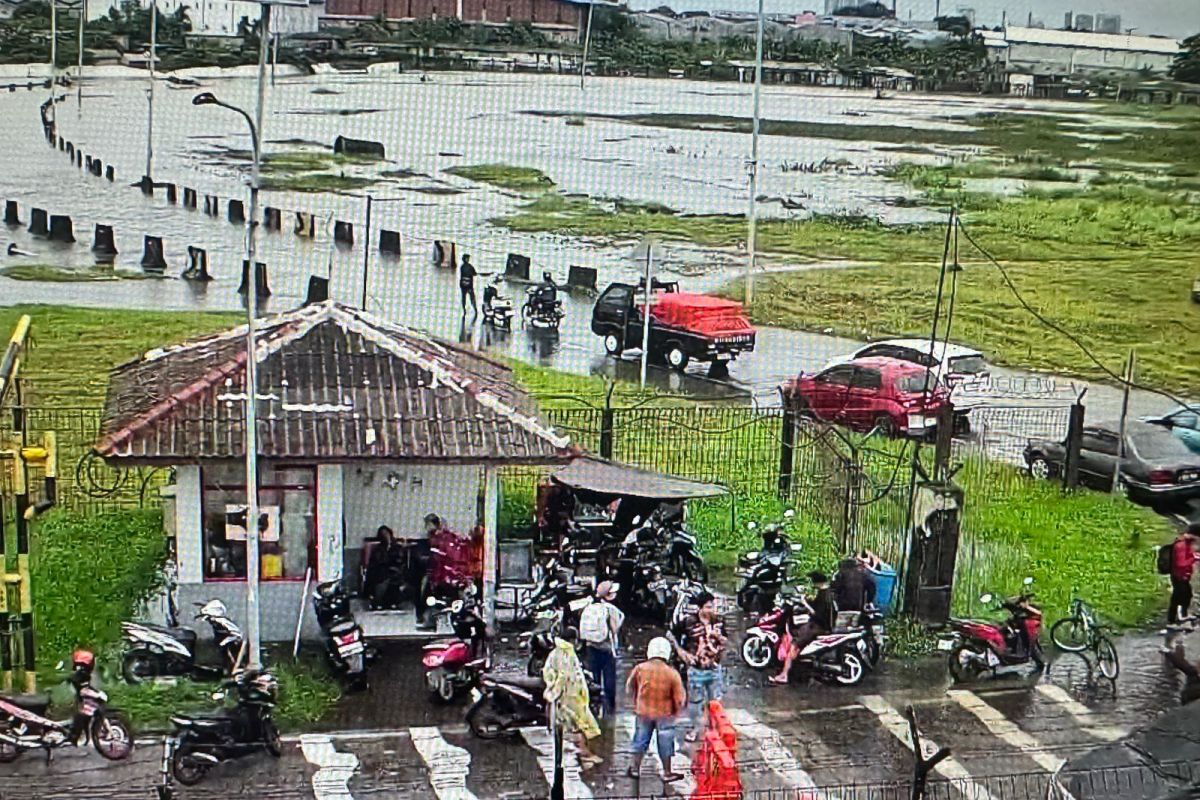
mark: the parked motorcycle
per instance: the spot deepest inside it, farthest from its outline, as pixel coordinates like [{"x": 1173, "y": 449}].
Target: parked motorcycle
[
  {"x": 204, "y": 741},
  {"x": 452, "y": 665},
  {"x": 346, "y": 648},
  {"x": 539, "y": 312},
  {"x": 497, "y": 307},
  {"x": 683, "y": 554},
  {"x": 25, "y": 726},
  {"x": 763, "y": 575},
  {"x": 559, "y": 595},
  {"x": 835, "y": 658},
  {"x": 504, "y": 705},
  {"x": 153, "y": 651},
  {"x": 978, "y": 646}
]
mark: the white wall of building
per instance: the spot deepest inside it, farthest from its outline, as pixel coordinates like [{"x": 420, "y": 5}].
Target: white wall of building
[
  {"x": 221, "y": 17},
  {"x": 399, "y": 496}
]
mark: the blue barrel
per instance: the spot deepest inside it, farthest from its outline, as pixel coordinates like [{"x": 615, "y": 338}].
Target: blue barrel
[{"x": 885, "y": 587}]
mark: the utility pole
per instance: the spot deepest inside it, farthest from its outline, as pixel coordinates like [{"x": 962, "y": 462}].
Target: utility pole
[
  {"x": 274, "y": 56},
  {"x": 79, "y": 76},
  {"x": 53, "y": 41},
  {"x": 751, "y": 237},
  {"x": 367, "y": 253},
  {"x": 150, "y": 92},
  {"x": 587, "y": 40},
  {"x": 1130, "y": 367},
  {"x": 648, "y": 299}
]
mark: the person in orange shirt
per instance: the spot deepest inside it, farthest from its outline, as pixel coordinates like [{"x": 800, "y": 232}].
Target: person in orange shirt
[{"x": 658, "y": 697}]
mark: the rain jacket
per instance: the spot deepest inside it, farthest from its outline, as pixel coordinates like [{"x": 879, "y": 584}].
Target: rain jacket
[{"x": 567, "y": 690}]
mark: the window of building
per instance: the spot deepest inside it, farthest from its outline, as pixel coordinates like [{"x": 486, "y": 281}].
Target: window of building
[{"x": 288, "y": 508}]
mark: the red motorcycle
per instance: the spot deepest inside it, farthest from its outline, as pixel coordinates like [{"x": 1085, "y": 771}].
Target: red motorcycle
[
  {"x": 978, "y": 646},
  {"x": 455, "y": 665}
]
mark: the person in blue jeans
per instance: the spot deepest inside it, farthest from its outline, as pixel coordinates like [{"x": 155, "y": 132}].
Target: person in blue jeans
[
  {"x": 700, "y": 644},
  {"x": 657, "y": 693},
  {"x": 600, "y": 628}
]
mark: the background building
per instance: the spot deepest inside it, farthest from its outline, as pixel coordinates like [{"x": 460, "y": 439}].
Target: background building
[
  {"x": 222, "y": 17},
  {"x": 563, "y": 16}
]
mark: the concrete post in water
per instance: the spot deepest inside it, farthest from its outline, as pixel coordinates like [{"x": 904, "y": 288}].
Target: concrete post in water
[
  {"x": 147, "y": 185},
  {"x": 109, "y": 174},
  {"x": 103, "y": 244},
  {"x": 517, "y": 266},
  {"x": 71, "y": 150},
  {"x": 152, "y": 256},
  {"x": 172, "y": 194},
  {"x": 272, "y": 218},
  {"x": 62, "y": 143},
  {"x": 212, "y": 205},
  {"x": 581, "y": 278},
  {"x": 318, "y": 290},
  {"x": 197, "y": 268},
  {"x": 87, "y": 160},
  {"x": 37, "y": 222},
  {"x": 97, "y": 167},
  {"x": 189, "y": 198},
  {"x": 79, "y": 158},
  {"x": 11, "y": 213},
  {"x": 61, "y": 229},
  {"x": 260, "y": 278},
  {"x": 237, "y": 212},
  {"x": 389, "y": 242},
  {"x": 343, "y": 232},
  {"x": 306, "y": 225}
]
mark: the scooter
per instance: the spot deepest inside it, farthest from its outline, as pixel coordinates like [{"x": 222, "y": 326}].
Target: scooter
[
  {"x": 153, "y": 651},
  {"x": 505, "y": 705},
  {"x": 977, "y": 646},
  {"x": 835, "y": 658},
  {"x": 497, "y": 308},
  {"x": 683, "y": 555},
  {"x": 25, "y": 726},
  {"x": 345, "y": 646},
  {"x": 762, "y": 578},
  {"x": 452, "y": 665},
  {"x": 203, "y": 741}
]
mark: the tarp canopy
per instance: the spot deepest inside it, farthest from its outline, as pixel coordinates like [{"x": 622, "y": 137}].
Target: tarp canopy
[
  {"x": 699, "y": 313},
  {"x": 1154, "y": 763},
  {"x": 608, "y": 480}
]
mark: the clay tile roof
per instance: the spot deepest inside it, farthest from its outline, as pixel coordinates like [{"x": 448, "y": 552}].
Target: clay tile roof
[{"x": 333, "y": 383}]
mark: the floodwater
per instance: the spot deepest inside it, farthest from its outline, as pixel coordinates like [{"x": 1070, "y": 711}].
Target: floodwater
[{"x": 426, "y": 126}]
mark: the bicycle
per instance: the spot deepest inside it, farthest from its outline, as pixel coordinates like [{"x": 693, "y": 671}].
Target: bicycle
[{"x": 1080, "y": 631}]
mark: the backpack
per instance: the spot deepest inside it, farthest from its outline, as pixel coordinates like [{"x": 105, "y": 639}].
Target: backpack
[
  {"x": 593, "y": 624},
  {"x": 1165, "y": 554}
]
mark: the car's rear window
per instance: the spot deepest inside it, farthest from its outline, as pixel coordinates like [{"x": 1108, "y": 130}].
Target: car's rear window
[
  {"x": 916, "y": 382},
  {"x": 968, "y": 365},
  {"x": 1159, "y": 443}
]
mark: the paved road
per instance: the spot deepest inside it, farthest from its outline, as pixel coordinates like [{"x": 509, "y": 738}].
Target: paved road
[{"x": 795, "y": 737}]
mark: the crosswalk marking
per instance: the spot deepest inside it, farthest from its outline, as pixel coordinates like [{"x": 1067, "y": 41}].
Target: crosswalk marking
[
  {"x": 685, "y": 786},
  {"x": 1081, "y": 713},
  {"x": 448, "y": 765},
  {"x": 332, "y": 778},
  {"x": 542, "y": 741},
  {"x": 1006, "y": 730},
  {"x": 898, "y": 727},
  {"x": 774, "y": 753}
]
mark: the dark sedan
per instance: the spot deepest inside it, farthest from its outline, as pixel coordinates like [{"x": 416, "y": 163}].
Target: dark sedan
[{"x": 1157, "y": 468}]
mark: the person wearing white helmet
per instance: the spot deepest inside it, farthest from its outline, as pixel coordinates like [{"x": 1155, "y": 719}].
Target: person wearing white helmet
[{"x": 658, "y": 697}]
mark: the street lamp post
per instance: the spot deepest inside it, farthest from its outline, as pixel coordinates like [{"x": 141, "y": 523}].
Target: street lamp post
[
  {"x": 751, "y": 235},
  {"x": 146, "y": 179},
  {"x": 79, "y": 77},
  {"x": 252, "y": 511}
]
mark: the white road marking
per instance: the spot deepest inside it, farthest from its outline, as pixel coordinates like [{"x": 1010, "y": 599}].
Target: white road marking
[
  {"x": 685, "y": 786},
  {"x": 1004, "y": 729},
  {"x": 330, "y": 782},
  {"x": 542, "y": 741},
  {"x": 1081, "y": 713},
  {"x": 897, "y": 725},
  {"x": 448, "y": 765},
  {"x": 774, "y": 753}
]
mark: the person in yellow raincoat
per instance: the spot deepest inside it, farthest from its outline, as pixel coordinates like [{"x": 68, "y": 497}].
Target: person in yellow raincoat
[{"x": 568, "y": 697}]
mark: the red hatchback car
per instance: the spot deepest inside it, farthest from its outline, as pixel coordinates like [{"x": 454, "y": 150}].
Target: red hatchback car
[{"x": 886, "y": 393}]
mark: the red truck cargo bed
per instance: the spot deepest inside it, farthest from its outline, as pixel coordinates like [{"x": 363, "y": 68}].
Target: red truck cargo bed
[{"x": 700, "y": 313}]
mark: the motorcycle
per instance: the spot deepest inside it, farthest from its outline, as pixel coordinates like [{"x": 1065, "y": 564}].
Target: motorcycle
[
  {"x": 497, "y": 308},
  {"x": 683, "y": 555},
  {"x": 452, "y": 665},
  {"x": 345, "y": 647},
  {"x": 763, "y": 575},
  {"x": 153, "y": 651},
  {"x": 835, "y": 658},
  {"x": 203, "y": 741},
  {"x": 559, "y": 596},
  {"x": 684, "y": 593},
  {"x": 504, "y": 705},
  {"x": 978, "y": 646},
  {"x": 541, "y": 312},
  {"x": 25, "y": 726}
]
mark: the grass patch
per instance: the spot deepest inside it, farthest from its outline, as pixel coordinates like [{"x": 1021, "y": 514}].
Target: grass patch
[
  {"x": 506, "y": 176},
  {"x": 47, "y": 273},
  {"x": 316, "y": 182}
]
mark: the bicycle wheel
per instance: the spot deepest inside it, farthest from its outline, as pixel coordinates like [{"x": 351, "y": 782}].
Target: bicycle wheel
[
  {"x": 1106, "y": 658},
  {"x": 1069, "y": 635}
]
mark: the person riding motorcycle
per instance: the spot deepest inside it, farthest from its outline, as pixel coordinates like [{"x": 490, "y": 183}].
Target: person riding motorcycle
[
  {"x": 547, "y": 293},
  {"x": 820, "y": 622},
  {"x": 491, "y": 292}
]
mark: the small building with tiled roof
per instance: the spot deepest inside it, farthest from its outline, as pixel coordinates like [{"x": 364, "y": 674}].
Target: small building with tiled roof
[{"x": 361, "y": 423}]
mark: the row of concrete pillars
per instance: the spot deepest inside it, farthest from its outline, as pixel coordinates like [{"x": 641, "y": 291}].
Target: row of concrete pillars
[{"x": 90, "y": 164}]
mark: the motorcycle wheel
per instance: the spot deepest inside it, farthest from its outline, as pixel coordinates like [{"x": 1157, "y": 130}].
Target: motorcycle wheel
[
  {"x": 963, "y": 668},
  {"x": 137, "y": 668},
  {"x": 485, "y": 719},
  {"x": 756, "y": 652},
  {"x": 187, "y": 770},
  {"x": 271, "y": 738},
  {"x": 444, "y": 693},
  {"x": 8, "y": 752},
  {"x": 853, "y": 670},
  {"x": 111, "y": 737}
]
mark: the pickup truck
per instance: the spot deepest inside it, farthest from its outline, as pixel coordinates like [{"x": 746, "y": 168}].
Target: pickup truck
[{"x": 683, "y": 326}]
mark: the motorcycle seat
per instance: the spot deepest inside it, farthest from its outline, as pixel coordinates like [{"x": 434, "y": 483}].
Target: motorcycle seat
[
  {"x": 521, "y": 682},
  {"x": 441, "y": 644},
  {"x": 33, "y": 703},
  {"x": 185, "y": 635}
]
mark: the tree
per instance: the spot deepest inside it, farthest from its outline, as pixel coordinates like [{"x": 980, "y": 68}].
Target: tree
[
  {"x": 874, "y": 9},
  {"x": 958, "y": 25},
  {"x": 1187, "y": 64}
]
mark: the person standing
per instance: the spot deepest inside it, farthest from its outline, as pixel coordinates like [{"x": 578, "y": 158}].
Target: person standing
[
  {"x": 600, "y": 628},
  {"x": 657, "y": 693},
  {"x": 1183, "y": 562},
  {"x": 466, "y": 285},
  {"x": 701, "y": 645},
  {"x": 853, "y": 586},
  {"x": 567, "y": 696}
]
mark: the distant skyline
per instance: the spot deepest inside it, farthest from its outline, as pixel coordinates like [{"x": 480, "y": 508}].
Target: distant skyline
[{"x": 1179, "y": 18}]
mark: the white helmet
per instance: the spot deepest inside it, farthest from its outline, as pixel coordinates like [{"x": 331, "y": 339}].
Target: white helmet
[
  {"x": 659, "y": 647},
  {"x": 214, "y": 608}
]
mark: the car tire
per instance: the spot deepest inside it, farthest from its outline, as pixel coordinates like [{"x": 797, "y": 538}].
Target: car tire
[
  {"x": 612, "y": 345},
  {"x": 1041, "y": 468},
  {"x": 677, "y": 359}
]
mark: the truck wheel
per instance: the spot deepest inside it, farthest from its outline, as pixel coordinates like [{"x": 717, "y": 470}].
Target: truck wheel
[
  {"x": 676, "y": 358},
  {"x": 612, "y": 345}
]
